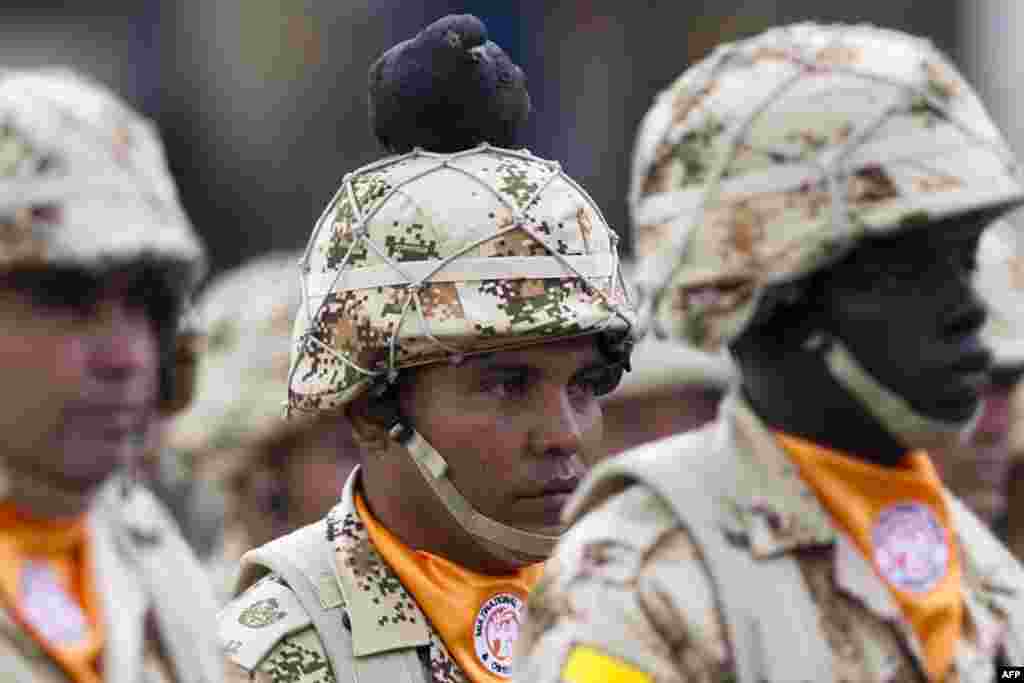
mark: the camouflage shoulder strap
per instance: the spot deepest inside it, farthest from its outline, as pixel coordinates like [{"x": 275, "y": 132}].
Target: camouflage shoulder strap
[
  {"x": 305, "y": 560},
  {"x": 765, "y": 603},
  {"x": 989, "y": 558}
]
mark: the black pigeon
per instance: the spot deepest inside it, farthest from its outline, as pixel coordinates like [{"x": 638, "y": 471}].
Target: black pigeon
[{"x": 446, "y": 90}]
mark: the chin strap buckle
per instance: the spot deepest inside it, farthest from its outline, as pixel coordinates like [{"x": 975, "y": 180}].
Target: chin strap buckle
[{"x": 400, "y": 433}]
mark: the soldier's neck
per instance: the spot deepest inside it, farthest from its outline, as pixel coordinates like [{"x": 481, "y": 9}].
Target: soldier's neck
[
  {"x": 793, "y": 392},
  {"x": 404, "y": 506}
]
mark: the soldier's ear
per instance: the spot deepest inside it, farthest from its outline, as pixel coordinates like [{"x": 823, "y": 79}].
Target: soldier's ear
[{"x": 369, "y": 428}]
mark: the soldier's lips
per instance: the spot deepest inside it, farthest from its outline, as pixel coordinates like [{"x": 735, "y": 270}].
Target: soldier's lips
[
  {"x": 548, "y": 503},
  {"x": 972, "y": 364},
  {"x": 110, "y": 422},
  {"x": 559, "y": 487}
]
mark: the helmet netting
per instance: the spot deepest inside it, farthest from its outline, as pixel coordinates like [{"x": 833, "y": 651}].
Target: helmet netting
[{"x": 413, "y": 284}]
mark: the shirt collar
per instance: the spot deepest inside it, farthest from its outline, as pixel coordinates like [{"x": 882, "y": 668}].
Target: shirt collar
[
  {"x": 381, "y": 611},
  {"x": 768, "y": 504}
]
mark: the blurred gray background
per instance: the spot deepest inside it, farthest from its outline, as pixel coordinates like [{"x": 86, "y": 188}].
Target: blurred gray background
[{"x": 262, "y": 103}]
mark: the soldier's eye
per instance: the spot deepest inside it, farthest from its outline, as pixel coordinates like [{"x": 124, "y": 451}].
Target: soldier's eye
[
  {"x": 600, "y": 380},
  {"x": 277, "y": 502},
  {"x": 507, "y": 383},
  {"x": 61, "y": 290}
]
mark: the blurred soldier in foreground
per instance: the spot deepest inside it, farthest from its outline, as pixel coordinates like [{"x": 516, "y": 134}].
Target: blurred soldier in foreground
[
  {"x": 277, "y": 475},
  {"x": 195, "y": 503},
  {"x": 464, "y": 309},
  {"x": 814, "y": 200},
  {"x": 97, "y": 260},
  {"x": 984, "y": 467},
  {"x": 669, "y": 389}
]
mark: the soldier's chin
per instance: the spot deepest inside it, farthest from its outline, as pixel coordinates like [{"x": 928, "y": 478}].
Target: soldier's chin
[
  {"x": 90, "y": 462},
  {"x": 957, "y": 427},
  {"x": 518, "y": 559}
]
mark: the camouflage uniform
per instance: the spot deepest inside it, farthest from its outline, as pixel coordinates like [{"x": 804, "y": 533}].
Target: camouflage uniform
[
  {"x": 705, "y": 557},
  {"x": 267, "y": 631},
  {"x": 419, "y": 258},
  {"x": 84, "y": 185},
  {"x": 237, "y": 415}
]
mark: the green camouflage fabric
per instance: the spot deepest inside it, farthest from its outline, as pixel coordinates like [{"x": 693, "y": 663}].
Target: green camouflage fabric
[
  {"x": 629, "y": 580},
  {"x": 773, "y": 156},
  {"x": 1000, "y": 282},
  {"x": 83, "y": 179},
  {"x": 381, "y": 613},
  {"x": 424, "y": 257},
  {"x": 247, "y": 316}
]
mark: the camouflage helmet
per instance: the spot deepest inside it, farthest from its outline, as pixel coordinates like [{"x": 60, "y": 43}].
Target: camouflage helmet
[
  {"x": 424, "y": 257},
  {"x": 427, "y": 257},
  {"x": 246, "y": 316},
  {"x": 84, "y": 184},
  {"x": 83, "y": 179},
  {"x": 1000, "y": 282},
  {"x": 772, "y": 157}
]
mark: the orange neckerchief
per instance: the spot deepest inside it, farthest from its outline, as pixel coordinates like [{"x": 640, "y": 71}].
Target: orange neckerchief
[
  {"x": 477, "y": 616},
  {"x": 46, "y": 580},
  {"x": 898, "y": 518}
]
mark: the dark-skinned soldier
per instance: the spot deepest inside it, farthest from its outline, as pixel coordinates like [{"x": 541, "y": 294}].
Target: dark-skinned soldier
[
  {"x": 463, "y": 310},
  {"x": 814, "y": 201}
]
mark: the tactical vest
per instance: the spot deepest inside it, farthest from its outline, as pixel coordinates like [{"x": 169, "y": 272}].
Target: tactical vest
[
  {"x": 304, "y": 559},
  {"x": 762, "y": 623}
]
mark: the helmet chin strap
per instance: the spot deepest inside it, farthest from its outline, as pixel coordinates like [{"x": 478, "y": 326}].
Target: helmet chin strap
[
  {"x": 895, "y": 413},
  {"x": 434, "y": 469}
]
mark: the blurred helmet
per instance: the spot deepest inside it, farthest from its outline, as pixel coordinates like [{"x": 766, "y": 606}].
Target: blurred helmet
[
  {"x": 775, "y": 155},
  {"x": 657, "y": 366},
  {"x": 83, "y": 180},
  {"x": 246, "y": 315},
  {"x": 84, "y": 184},
  {"x": 427, "y": 257},
  {"x": 1000, "y": 282}
]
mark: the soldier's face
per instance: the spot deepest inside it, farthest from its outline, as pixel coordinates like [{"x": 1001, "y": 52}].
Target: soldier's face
[
  {"x": 295, "y": 482},
  {"x": 79, "y": 358},
  {"x": 516, "y": 427},
  {"x": 905, "y": 307}
]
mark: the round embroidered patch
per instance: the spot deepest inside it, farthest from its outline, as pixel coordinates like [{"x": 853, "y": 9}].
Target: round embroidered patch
[
  {"x": 495, "y": 630},
  {"x": 910, "y": 547},
  {"x": 261, "y": 613},
  {"x": 49, "y": 608}
]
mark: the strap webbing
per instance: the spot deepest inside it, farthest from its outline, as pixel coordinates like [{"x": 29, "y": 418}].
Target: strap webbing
[{"x": 304, "y": 559}]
